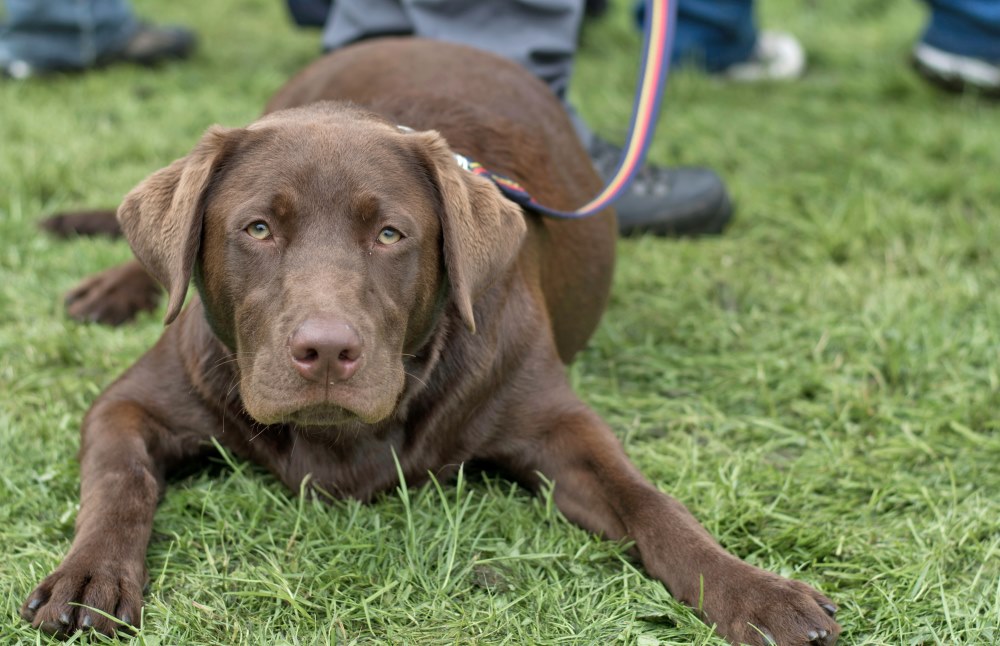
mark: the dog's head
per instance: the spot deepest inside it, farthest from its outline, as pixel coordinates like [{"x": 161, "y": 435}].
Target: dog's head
[{"x": 325, "y": 243}]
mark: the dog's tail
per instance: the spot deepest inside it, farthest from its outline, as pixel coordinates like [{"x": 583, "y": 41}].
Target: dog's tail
[{"x": 101, "y": 222}]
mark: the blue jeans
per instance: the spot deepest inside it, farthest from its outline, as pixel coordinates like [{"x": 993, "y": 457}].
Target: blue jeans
[
  {"x": 965, "y": 27},
  {"x": 718, "y": 33},
  {"x": 64, "y": 34},
  {"x": 714, "y": 34}
]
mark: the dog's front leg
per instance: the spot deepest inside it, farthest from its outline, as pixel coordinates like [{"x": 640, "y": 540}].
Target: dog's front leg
[
  {"x": 121, "y": 469},
  {"x": 597, "y": 487}
]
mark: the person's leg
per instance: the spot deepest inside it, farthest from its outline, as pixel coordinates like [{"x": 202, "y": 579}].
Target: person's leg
[
  {"x": 353, "y": 20},
  {"x": 309, "y": 13},
  {"x": 55, "y": 35},
  {"x": 961, "y": 45},
  {"x": 714, "y": 34},
  {"x": 542, "y": 35},
  {"x": 721, "y": 37},
  {"x": 965, "y": 27},
  {"x": 65, "y": 34}
]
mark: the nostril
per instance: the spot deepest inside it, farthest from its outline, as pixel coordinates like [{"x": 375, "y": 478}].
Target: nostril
[{"x": 304, "y": 353}]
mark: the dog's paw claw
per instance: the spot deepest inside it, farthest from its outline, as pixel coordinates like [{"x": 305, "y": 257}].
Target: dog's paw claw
[
  {"x": 781, "y": 611},
  {"x": 61, "y": 603}
]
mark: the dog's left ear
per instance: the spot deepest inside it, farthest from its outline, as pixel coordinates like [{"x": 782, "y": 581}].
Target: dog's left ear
[{"x": 482, "y": 229}]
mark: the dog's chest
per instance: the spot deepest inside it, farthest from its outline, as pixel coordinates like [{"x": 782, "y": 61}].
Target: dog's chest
[{"x": 346, "y": 464}]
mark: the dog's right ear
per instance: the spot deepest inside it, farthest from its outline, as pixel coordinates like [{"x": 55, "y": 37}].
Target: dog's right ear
[
  {"x": 162, "y": 216},
  {"x": 482, "y": 231}
]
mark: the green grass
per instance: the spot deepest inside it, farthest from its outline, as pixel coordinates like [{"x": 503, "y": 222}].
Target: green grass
[{"x": 821, "y": 385}]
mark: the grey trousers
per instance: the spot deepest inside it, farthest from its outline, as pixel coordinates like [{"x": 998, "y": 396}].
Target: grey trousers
[{"x": 541, "y": 35}]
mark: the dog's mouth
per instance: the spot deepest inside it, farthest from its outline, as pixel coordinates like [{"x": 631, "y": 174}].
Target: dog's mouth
[
  {"x": 281, "y": 408},
  {"x": 322, "y": 415}
]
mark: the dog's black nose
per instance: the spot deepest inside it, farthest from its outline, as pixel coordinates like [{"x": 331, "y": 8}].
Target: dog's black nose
[{"x": 325, "y": 349}]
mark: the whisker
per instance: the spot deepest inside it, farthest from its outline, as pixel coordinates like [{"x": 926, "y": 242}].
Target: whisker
[
  {"x": 235, "y": 386},
  {"x": 229, "y": 358},
  {"x": 258, "y": 434},
  {"x": 410, "y": 374},
  {"x": 225, "y": 398}
]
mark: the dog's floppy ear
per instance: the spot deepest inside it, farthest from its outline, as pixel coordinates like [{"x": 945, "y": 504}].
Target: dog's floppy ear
[
  {"x": 482, "y": 230},
  {"x": 162, "y": 216}
]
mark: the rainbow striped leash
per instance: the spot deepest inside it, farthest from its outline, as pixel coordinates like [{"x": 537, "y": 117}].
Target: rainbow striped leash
[{"x": 661, "y": 17}]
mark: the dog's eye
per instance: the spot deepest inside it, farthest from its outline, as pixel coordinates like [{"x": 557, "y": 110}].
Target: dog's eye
[
  {"x": 389, "y": 236},
  {"x": 259, "y": 231}
]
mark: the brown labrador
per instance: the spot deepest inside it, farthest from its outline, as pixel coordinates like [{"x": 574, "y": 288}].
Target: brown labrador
[{"x": 372, "y": 299}]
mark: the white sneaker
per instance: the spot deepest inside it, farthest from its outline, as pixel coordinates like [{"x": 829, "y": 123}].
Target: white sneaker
[
  {"x": 778, "y": 56},
  {"x": 955, "y": 71},
  {"x": 16, "y": 69}
]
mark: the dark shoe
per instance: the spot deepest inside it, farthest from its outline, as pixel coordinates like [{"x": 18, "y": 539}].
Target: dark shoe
[
  {"x": 151, "y": 44},
  {"x": 665, "y": 201}
]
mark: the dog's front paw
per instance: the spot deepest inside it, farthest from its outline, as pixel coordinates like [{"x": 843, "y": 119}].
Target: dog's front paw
[
  {"x": 66, "y": 600},
  {"x": 114, "y": 296},
  {"x": 760, "y": 608}
]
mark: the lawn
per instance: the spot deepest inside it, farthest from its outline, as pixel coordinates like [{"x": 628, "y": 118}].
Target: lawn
[{"x": 820, "y": 385}]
